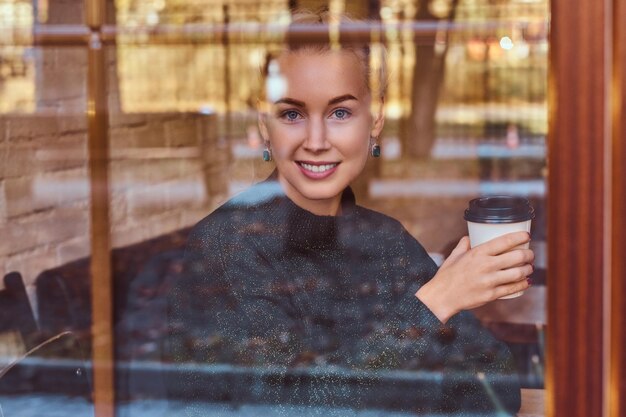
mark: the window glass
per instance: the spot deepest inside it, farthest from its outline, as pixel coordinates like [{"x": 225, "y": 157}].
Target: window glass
[
  {"x": 293, "y": 296},
  {"x": 44, "y": 223},
  {"x": 485, "y": 135}
]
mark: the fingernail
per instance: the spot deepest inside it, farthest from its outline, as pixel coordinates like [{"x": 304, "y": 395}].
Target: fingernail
[
  {"x": 533, "y": 267},
  {"x": 529, "y": 281}
]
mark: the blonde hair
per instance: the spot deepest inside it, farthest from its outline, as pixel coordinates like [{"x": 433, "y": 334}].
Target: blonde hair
[{"x": 374, "y": 66}]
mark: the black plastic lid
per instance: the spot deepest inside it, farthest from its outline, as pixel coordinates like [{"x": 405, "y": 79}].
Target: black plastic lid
[{"x": 499, "y": 209}]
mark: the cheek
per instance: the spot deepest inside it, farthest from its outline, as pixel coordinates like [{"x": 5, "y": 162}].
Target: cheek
[
  {"x": 282, "y": 140},
  {"x": 358, "y": 144},
  {"x": 356, "y": 154},
  {"x": 280, "y": 150}
]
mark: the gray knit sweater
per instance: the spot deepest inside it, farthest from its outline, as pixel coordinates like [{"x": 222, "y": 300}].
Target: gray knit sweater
[{"x": 323, "y": 309}]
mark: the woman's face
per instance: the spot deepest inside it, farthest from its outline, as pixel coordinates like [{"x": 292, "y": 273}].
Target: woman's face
[{"x": 319, "y": 131}]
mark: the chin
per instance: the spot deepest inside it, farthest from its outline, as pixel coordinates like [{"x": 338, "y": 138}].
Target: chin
[{"x": 322, "y": 192}]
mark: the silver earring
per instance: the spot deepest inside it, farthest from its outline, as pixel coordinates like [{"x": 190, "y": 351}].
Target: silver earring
[
  {"x": 267, "y": 155},
  {"x": 375, "y": 149}
]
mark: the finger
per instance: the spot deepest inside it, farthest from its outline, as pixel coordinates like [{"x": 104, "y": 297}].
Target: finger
[
  {"x": 516, "y": 257},
  {"x": 504, "y": 243},
  {"x": 509, "y": 289},
  {"x": 512, "y": 275},
  {"x": 462, "y": 247}
]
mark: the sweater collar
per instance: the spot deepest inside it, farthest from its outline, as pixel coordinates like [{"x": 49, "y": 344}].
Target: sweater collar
[{"x": 304, "y": 230}]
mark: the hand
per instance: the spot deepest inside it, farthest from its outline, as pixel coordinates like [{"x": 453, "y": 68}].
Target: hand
[{"x": 470, "y": 278}]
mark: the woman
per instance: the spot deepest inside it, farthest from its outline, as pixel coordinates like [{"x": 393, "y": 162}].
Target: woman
[{"x": 292, "y": 272}]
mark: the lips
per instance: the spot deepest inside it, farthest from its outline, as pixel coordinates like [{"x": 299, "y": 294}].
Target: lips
[{"x": 317, "y": 170}]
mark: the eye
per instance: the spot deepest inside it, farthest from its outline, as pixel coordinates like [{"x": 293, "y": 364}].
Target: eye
[
  {"x": 290, "y": 115},
  {"x": 341, "y": 114}
]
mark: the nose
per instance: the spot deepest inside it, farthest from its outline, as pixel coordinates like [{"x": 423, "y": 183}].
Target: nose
[{"x": 316, "y": 140}]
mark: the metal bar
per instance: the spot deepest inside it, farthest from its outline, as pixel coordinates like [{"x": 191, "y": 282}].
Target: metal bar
[
  {"x": 252, "y": 34},
  {"x": 101, "y": 275},
  {"x": 95, "y": 12},
  {"x": 246, "y": 33},
  {"x": 101, "y": 278},
  {"x": 61, "y": 35}
]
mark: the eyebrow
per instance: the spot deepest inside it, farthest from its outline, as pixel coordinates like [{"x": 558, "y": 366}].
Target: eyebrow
[
  {"x": 332, "y": 101},
  {"x": 290, "y": 101},
  {"x": 339, "y": 99}
]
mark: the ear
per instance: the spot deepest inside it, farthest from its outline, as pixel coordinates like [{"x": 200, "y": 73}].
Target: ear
[
  {"x": 379, "y": 120},
  {"x": 262, "y": 121}
]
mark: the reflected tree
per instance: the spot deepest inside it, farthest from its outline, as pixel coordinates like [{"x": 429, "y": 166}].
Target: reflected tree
[{"x": 418, "y": 134}]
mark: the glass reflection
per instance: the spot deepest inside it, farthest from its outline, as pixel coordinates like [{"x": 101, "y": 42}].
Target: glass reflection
[
  {"x": 44, "y": 223},
  {"x": 183, "y": 135}
]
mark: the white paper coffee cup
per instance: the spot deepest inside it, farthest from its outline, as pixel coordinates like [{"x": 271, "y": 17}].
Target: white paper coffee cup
[{"x": 493, "y": 216}]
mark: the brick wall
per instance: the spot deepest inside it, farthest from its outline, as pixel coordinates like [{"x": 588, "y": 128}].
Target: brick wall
[
  {"x": 165, "y": 174},
  {"x": 174, "y": 188},
  {"x": 166, "y": 171}
]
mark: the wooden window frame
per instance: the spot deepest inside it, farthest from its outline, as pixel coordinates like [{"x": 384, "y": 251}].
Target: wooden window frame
[
  {"x": 586, "y": 230},
  {"x": 616, "y": 389}
]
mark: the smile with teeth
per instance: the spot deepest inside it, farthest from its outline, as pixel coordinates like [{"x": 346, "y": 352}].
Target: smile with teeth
[{"x": 317, "y": 168}]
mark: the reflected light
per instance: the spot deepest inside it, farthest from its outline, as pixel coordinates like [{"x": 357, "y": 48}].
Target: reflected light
[
  {"x": 440, "y": 8},
  {"x": 276, "y": 85},
  {"x": 206, "y": 109},
  {"x": 506, "y": 43},
  {"x": 476, "y": 49},
  {"x": 522, "y": 50},
  {"x": 393, "y": 110},
  {"x": 284, "y": 17},
  {"x": 91, "y": 108},
  {"x": 152, "y": 18},
  {"x": 257, "y": 58},
  {"x": 386, "y": 13}
]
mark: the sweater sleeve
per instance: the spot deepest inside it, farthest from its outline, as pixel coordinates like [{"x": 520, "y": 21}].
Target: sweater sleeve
[{"x": 478, "y": 374}]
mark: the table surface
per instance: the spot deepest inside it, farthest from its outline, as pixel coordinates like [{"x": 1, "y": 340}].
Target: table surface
[{"x": 533, "y": 403}]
